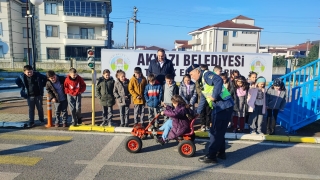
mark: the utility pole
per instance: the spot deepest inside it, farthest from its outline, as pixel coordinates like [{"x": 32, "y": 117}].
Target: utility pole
[
  {"x": 27, "y": 16},
  {"x": 127, "y": 40},
  {"x": 307, "y": 48},
  {"x": 134, "y": 18}
]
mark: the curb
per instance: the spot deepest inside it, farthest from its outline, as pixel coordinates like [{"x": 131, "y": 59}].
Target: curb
[{"x": 199, "y": 134}]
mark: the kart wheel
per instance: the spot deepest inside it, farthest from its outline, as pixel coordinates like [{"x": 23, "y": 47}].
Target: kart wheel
[
  {"x": 186, "y": 148},
  {"x": 133, "y": 144}
]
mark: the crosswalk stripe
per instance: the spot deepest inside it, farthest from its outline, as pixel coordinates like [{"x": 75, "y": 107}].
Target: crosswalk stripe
[
  {"x": 19, "y": 160},
  {"x": 35, "y": 137},
  {"x": 8, "y": 175},
  {"x": 27, "y": 147}
]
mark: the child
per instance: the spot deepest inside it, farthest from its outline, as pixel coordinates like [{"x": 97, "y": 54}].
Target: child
[
  {"x": 153, "y": 95},
  {"x": 252, "y": 83},
  {"x": 123, "y": 97},
  {"x": 257, "y": 105},
  {"x": 32, "y": 84},
  {"x": 104, "y": 91},
  {"x": 170, "y": 89},
  {"x": 55, "y": 90},
  {"x": 239, "y": 92},
  {"x": 187, "y": 91},
  {"x": 74, "y": 86},
  {"x": 252, "y": 78},
  {"x": 136, "y": 88},
  {"x": 275, "y": 101},
  {"x": 233, "y": 74},
  {"x": 179, "y": 122},
  {"x": 205, "y": 115}
]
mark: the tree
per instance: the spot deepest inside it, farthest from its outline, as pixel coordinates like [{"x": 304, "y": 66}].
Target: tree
[
  {"x": 279, "y": 61},
  {"x": 314, "y": 53}
]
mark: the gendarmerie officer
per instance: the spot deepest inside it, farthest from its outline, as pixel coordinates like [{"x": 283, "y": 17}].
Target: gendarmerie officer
[{"x": 220, "y": 101}]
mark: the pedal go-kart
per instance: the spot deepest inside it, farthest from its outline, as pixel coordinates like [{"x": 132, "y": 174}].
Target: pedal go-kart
[{"x": 186, "y": 147}]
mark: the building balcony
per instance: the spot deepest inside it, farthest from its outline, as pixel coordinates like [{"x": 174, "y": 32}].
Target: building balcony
[
  {"x": 194, "y": 42},
  {"x": 84, "y": 18},
  {"x": 90, "y": 40}
]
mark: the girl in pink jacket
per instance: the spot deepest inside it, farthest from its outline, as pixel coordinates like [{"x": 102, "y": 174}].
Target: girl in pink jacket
[{"x": 257, "y": 105}]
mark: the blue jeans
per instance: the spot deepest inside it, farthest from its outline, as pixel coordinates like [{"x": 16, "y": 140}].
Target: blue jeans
[
  {"x": 35, "y": 101},
  {"x": 166, "y": 128}
]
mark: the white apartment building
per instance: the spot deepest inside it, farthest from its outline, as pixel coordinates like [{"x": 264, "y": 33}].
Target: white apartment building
[
  {"x": 182, "y": 45},
  {"x": 63, "y": 29},
  {"x": 236, "y": 35},
  {"x": 275, "y": 50}
]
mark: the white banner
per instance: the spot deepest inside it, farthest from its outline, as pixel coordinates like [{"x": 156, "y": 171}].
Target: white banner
[{"x": 127, "y": 60}]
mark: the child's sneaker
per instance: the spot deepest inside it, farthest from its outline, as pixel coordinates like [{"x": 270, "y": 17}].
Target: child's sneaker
[
  {"x": 229, "y": 125},
  {"x": 253, "y": 132},
  {"x": 203, "y": 128}
]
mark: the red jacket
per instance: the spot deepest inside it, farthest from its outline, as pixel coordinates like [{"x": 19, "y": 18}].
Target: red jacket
[{"x": 75, "y": 86}]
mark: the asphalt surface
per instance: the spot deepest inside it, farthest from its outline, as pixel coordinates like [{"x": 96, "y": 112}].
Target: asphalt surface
[{"x": 38, "y": 154}]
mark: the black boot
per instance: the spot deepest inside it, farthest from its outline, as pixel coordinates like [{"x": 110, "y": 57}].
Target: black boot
[
  {"x": 268, "y": 125},
  {"x": 208, "y": 159},
  {"x": 273, "y": 126}
]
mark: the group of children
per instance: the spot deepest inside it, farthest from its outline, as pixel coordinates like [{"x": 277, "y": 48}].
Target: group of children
[{"x": 252, "y": 100}]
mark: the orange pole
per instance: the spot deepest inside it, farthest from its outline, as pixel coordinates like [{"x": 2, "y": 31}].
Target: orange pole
[{"x": 49, "y": 112}]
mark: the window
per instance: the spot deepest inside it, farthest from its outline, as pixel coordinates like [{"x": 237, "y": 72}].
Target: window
[
  {"x": 234, "y": 34},
  {"x": 1, "y": 52},
  {"x": 53, "y": 53},
  {"x": 224, "y": 46},
  {"x": 89, "y": 9},
  {"x": 1, "y": 33},
  {"x": 225, "y": 33},
  {"x": 25, "y": 33},
  {"x": 23, "y": 11},
  {"x": 52, "y": 31},
  {"x": 249, "y": 32},
  {"x": 50, "y": 8},
  {"x": 87, "y": 33},
  {"x": 236, "y": 44}
]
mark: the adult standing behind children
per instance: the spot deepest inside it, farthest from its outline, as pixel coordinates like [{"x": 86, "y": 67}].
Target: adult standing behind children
[
  {"x": 104, "y": 91},
  {"x": 136, "y": 88},
  {"x": 161, "y": 66},
  {"x": 56, "y": 93},
  {"x": 74, "y": 86},
  {"x": 123, "y": 97},
  {"x": 32, "y": 84},
  {"x": 153, "y": 94}
]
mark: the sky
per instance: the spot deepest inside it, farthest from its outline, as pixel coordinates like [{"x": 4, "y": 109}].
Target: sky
[{"x": 284, "y": 22}]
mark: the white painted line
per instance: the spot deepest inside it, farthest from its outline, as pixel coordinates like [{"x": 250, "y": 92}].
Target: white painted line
[
  {"x": 122, "y": 129},
  {"x": 14, "y": 124},
  {"x": 28, "y": 148},
  {"x": 210, "y": 168},
  {"x": 97, "y": 163},
  {"x": 8, "y": 175}
]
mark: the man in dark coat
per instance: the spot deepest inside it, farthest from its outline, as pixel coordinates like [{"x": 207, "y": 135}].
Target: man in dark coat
[{"x": 161, "y": 66}]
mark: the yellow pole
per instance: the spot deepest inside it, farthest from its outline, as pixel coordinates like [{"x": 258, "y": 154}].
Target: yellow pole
[{"x": 93, "y": 98}]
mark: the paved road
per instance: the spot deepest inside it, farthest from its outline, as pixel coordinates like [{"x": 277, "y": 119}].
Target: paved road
[{"x": 37, "y": 154}]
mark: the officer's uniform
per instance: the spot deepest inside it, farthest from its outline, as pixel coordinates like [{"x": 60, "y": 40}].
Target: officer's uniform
[{"x": 222, "y": 109}]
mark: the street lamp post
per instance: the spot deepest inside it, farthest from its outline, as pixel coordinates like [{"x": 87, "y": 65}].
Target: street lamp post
[{"x": 34, "y": 52}]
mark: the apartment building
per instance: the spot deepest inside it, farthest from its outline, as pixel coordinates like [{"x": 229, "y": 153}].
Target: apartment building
[
  {"x": 275, "y": 50},
  {"x": 236, "y": 35},
  {"x": 182, "y": 45},
  {"x": 301, "y": 50},
  {"x": 63, "y": 29}
]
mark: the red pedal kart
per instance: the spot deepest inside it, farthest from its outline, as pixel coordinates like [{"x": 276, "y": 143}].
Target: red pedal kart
[{"x": 186, "y": 147}]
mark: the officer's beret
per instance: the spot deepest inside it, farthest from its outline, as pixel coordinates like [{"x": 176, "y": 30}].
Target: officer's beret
[{"x": 192, "y": 67}]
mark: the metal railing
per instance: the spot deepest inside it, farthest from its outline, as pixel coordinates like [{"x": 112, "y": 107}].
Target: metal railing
[
  {"x": 85, "y": 14},
  {"x": 90, "y": 37}
]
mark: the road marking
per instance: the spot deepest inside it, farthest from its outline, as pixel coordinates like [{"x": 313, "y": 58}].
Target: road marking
[
  {"x": 35, "y": 137},
  {"x": 210, "y": 168},
  {"x": 19, "y": 160},
  {"x": 95, "y": 165},
  {"x": 27, "y": 147},
  {"x": 8, "y": 175}
]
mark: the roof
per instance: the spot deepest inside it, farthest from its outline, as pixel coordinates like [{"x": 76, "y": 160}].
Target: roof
[
  {"x": 181, "y": 41},
  {"x": 187, "y": 46},
  {"x": 230, "y": 24},
  {"x": 242, "y": 17},
  {"x": 301, "y": 47},
  {"x": 277, "y": 51},
  {"x": 154, "y": 48}
]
